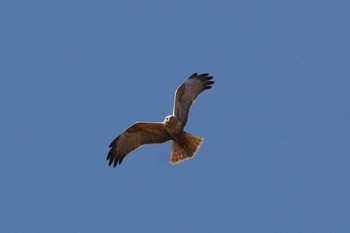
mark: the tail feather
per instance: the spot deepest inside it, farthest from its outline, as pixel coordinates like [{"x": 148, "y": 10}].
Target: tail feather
[{"x": 186, "y": 151}]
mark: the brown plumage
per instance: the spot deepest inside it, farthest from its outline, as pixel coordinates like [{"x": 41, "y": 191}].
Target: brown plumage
[{"x": 185, "y": 145}]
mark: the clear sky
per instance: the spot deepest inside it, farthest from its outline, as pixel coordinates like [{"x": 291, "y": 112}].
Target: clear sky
[{"x": 276, "y": 151}]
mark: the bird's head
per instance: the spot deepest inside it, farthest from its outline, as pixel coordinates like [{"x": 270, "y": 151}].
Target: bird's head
[
  {"x": 170, "y": 118},
  {"x": 171, "y": 122}
]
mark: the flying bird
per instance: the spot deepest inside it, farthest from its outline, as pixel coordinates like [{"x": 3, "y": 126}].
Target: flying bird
[{"x": 185, "y": 145}]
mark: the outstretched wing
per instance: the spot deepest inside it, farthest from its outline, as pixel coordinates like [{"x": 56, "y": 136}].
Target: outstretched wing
[
  {"x": 135, "y": 136},
  {"x": 187, "y": 93}
]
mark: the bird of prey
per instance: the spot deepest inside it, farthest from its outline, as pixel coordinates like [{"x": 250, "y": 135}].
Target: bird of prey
[{"x": 185, "y": 145}]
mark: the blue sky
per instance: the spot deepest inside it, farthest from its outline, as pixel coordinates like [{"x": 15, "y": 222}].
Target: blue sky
[{"x": 75, "y": 74}]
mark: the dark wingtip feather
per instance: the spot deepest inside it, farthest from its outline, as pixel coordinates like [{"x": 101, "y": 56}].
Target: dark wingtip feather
[
  {"x": 114, "y": 141},
  {"x": 115, "y": 163},
  {"x": 205, "y": 79},
  {"x": 110, "y": 162},
  {"x": 193, "y": 75},
  {"x": 203, "y": 76},
  {"x": 112, "y": 156},
  {"x": 208, "y": 83}
]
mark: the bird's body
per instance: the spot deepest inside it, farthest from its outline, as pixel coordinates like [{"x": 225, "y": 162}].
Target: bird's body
[
  {"x": 172, "y": 124},
  {"x": 185, "y": 145}
]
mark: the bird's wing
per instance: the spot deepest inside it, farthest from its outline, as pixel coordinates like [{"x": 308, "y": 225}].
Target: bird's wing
[
  {"x": 187, "y": 92},
  {"x": 135, "y": 136}
]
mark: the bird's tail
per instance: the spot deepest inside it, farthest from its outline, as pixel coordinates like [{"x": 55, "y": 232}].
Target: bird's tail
[{"x": 186, "y": 151}]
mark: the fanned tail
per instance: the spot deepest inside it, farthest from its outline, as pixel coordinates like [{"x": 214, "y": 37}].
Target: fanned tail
[{"x": 186, "y": 151}]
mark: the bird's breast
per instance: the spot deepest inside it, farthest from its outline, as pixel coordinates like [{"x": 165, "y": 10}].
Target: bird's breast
[{"x": 173, "y": 127}]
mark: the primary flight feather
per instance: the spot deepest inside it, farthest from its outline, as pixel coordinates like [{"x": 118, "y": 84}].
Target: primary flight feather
[{"x": 185, "y": 145}]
